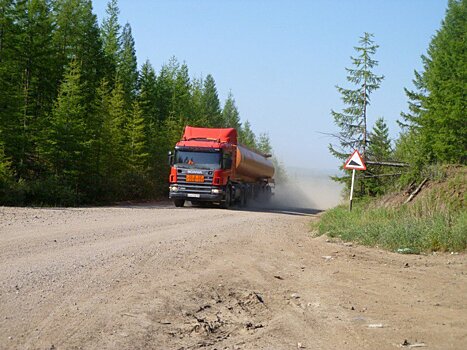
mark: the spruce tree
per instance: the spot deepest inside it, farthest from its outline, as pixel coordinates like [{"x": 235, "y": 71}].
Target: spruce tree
[
  {"x": 11, "y": 96},
  {"x": 181, "y": 98},
  {"x": 247, "y": 137},
  {"x": 113, "y": 136},
  {"x": 66, "y": 145},
  {"x": 77, "y": 38},
  {"x": 110, "y": 34},
  {"x": 164, "y": 89},
  {"x": 264, "y": 144},
  {"x": 5, "y": 170},
  {"x": 230, "y": 115},
  {"x": 436, "y": 117},
  {"x": 352, "y": 121},
  {"x": 380, "y": 144},
  {"x": 379, "y": 150},
  {"x": 197, "y": 113},
  {"x": 127, "y": 69},
  {"x": 38, "y": 89},
  {"x": 136, "y": 153},
  {"x": 211, "y": 103},
  {"x": 147, "y": 97}
]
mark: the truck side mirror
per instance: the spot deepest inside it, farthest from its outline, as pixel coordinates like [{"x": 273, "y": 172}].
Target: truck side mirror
[{"x": 171, "y": 158}]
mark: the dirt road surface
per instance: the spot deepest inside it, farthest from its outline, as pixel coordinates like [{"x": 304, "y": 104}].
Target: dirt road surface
[{"x": 157, "y": 277}]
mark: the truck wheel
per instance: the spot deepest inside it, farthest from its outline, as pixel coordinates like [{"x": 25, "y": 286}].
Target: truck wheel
[
  {"x": 179, "y": 202},
  {"x": 244, "y": 198},
  {"x": 225, "y": 204}
]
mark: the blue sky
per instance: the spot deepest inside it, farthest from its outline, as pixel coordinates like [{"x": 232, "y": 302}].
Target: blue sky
[{"x": 282, "y": 59}]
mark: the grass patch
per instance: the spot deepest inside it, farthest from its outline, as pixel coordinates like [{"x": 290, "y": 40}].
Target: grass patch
[{"x": 437, "y": 221}]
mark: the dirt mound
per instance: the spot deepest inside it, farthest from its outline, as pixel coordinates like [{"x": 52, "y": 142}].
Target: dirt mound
[
  {"x": 214, "y": 314},
  {"x": 446, "y": 186}
]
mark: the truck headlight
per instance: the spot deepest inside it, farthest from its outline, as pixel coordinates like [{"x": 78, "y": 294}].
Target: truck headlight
[
  {"x": 216, "y": 191},
  {"x": 173, "y": 188}
]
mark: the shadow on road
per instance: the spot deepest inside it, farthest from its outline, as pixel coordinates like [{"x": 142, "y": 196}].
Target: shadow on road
[
  {"x": 252, "y": 207},
  {"x": 281, "y": 210}
]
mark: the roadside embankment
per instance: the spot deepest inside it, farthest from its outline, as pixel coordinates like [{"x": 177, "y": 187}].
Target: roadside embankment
[{"x": 435, "y": 220}]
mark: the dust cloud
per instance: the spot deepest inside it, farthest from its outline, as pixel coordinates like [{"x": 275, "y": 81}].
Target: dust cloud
[{"x": 308, "y": 188}]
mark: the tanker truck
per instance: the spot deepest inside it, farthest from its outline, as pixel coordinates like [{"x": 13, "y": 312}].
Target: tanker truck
[{"x": 208, "y": 165}]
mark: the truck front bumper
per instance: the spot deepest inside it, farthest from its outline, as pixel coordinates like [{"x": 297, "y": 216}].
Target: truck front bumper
[{"x": 198, "y": 196}]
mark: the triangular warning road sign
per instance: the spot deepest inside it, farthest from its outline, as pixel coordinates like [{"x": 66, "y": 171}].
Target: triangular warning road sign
[{"x": 355, "y": 161}]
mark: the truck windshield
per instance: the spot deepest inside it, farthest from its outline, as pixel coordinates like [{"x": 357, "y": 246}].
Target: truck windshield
[{"x": 208, "y": 160}]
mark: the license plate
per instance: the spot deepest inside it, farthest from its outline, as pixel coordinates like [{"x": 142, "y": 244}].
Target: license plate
[
  {"x": 193, "y": 195},
  {"x": 195, "y": 178}
]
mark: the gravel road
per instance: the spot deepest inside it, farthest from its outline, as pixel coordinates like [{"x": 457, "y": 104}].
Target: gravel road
[{"x": 158, "y": 277}]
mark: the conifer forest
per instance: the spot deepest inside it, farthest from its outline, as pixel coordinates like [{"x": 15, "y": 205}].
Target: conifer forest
[{"x": 79, "y": 121}]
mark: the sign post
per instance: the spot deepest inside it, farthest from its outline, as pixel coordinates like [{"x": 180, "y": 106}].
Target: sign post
[
  {"x": 355, "y": 162},
  {"x": 351, "y": 189}
]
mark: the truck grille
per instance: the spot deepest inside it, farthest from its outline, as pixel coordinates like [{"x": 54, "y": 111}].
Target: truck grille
[{"x": 194, "y": 187}]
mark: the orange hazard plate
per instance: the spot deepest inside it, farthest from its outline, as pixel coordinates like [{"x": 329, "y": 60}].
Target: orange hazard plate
[{"x": 195, "y": 178}]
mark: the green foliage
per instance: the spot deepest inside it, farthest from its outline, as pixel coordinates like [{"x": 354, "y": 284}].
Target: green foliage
[
  {"x": 230, "y": 114},
  {"x": 181, "y": 97},
  {"x": 264, "y": 144},
  {"x": 127, "y": 68},
  {"x": 379, "y": 149},
  {"x": 211, "y": 104},
  {"x": 77, "y": 37},
  {"x": 380, "y": 143},
  {"x": 352, "y": 121},
  {"x": 247, "y": 136},
  {"x": 5, "y": 172},
  {"x": 78, "y": 122},
  {"x": 112, "y": 135},
  {"x": 136, "y": 145},
  {"x": 66, "y": 144},
  {"x": 110, "y": 34},
  {"x": 26, "y": 57},
  {"x": 436, "y": 222},
  {"x": 436, "y": 128}
]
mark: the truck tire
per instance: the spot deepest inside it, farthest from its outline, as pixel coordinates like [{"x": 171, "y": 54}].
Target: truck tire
[
  {"x": 179, "y": 203},
  {"x": 244, "y": 198},
  {"x": 225, "y": 204}
]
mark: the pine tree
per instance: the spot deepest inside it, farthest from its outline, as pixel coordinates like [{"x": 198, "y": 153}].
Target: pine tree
[
  {"x": 111, "y": 43},
  {"x": 181, "y": 99},
  {"x": 113, "y": 136},
  {"x": 379, "y": 149},
  {"x": 136, "y": 145},
  {"x": 11, "y": 96},
  {"x": 197, "y": 113},
  {"x": 352, "y": 121},
  {"x": 76, "y": 37},
  {"x": 230, "y": 114},
  {"x": 247, "y": 136},
  {"x": 66, "y": 146},
  {"x": 147, "y": 97},
  {"x": 436, "y": 118},
  {"x": 36, "y": 63},
  {"x": 211, "y": 103},
  {"x": 264, "y": 144},
  {"x": 127, "y": 69},
  {"x": 164, "y": 89},
  {"x": 380, "y": 144},
  {"x": 5, "y": 170}
]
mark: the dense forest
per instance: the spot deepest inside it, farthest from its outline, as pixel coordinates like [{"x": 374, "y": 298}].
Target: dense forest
[
  {"x": 79, "y": 121},
  {"x": 433, "y": 131}
]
